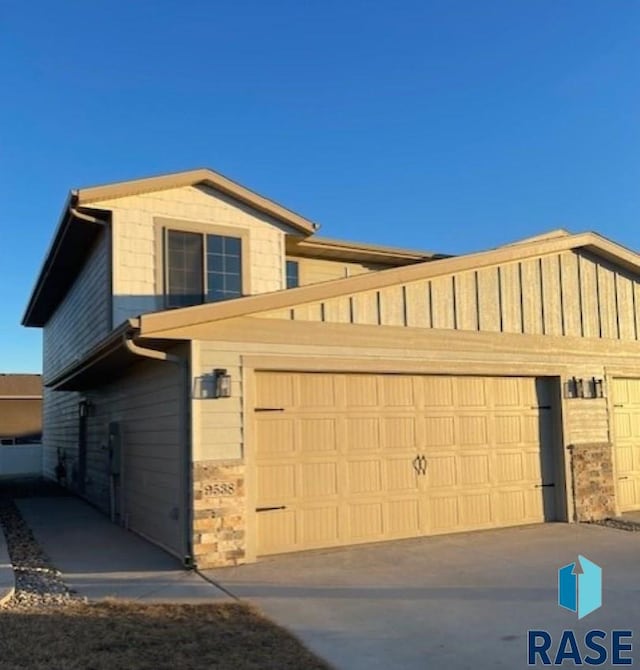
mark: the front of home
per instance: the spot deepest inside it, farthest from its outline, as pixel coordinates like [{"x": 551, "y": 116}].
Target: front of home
[{"x": 224, "y": 382}]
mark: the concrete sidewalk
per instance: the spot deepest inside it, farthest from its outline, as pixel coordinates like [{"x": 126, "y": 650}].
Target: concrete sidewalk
[
  {"x": 7, "y": 580},
  {"x": 99, "y": 559}
]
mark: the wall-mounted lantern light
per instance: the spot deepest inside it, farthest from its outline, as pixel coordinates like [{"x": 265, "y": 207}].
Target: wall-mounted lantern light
[
  {"x": 598, "y": 388},
  {"x": 222, "y": 383},
  {"x": 84, "y": 408},
  {"x": 584, "y": 388},
  {"x": 571, "y": 389}
]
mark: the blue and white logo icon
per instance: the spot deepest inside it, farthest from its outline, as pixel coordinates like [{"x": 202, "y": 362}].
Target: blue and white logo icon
[{"x": 580, "y": 588}]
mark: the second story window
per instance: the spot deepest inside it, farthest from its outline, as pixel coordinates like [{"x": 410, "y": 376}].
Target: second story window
[
  {"x": 293, "y": 274},
  {"x": 202, "y": 268}
]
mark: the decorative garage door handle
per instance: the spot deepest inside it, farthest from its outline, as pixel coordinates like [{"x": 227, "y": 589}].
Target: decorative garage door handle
[
  {"x": 270, "y": 509},
  {"x": 420, "y": 464}
]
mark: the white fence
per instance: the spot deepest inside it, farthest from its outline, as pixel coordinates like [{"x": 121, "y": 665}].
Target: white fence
[{"x": 20, "y": 460}]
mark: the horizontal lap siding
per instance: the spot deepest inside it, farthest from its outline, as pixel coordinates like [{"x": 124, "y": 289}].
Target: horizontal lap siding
[
  {"x": 217, "y": 423},
  {"x": 147, "y": 403},
  {"x": 83, "y": 318},
  {"x": 59, "y": 428},
  {"x": 571, "y": 294},
  {"x": 587, "y": 421}
]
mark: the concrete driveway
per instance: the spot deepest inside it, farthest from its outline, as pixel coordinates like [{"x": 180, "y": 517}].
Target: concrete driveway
[{"x": 452, "y": 602}]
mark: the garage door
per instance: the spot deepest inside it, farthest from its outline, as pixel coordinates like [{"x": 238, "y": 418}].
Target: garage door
[
  {"x": 349, "y": 458},
  {"x": 626, "y": 412}
]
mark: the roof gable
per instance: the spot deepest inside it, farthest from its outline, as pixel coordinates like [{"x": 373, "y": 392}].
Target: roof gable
[{"x": 203, "y": 176}]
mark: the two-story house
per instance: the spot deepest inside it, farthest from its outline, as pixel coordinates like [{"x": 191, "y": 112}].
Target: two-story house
[{"x": 224, "y": 382}]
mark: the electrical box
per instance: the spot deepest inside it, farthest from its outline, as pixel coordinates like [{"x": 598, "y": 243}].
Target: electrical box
[{"x": 115, "y": 448}]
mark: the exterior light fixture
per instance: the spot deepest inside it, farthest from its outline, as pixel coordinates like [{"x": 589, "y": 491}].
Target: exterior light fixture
[
  {"x": 598, "y": 388},
  {"x": 571, "y": 388},
  {"x": 222, "y": 383},
  {"x": 590, "y": 388},
  {"x": 84, "y": 408}
]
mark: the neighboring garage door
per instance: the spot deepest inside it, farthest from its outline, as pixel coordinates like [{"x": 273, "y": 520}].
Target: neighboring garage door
[
  {"x": 626, "y": 412},
  {"x": 348, "y": 458}
]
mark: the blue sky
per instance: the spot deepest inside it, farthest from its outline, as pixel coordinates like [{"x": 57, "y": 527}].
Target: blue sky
[{"x": 444, "y": 125}]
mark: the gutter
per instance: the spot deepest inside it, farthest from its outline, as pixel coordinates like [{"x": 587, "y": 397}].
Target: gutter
[
  {"x": 85, "y": 217},
  {"x": 183, "y": 364},
  {"x": 68, "y": 212}
]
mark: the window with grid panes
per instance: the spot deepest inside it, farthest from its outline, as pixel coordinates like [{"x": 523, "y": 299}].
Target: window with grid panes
[{"x": 202, "y": 268}]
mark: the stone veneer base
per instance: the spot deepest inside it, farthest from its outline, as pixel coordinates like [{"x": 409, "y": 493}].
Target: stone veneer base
[
  {"x": 219, "y": 515},
  {"x": 593, "y": 485}
]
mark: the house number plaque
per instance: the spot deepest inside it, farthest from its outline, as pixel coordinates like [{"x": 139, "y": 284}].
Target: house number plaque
[{"x": 219, "y": 489}]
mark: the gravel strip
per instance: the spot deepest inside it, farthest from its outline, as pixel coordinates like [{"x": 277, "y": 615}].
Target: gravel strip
[
  {"x": 620, "y": 524},
  {"x": 38, "y": 583}
]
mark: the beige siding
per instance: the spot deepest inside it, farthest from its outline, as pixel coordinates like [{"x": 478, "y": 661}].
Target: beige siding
[
  {"x": 315, "y": 270},
  {"x": 442, "y": 296},
  {"x": 135, "y": 250},
  {"x": 587, "y": 420},
  {"x": 220, "y": 420},
  {"x": 568, "y": 294},
  {"x": 147, "y": 404},
  {"x": 83, "y": 317}
]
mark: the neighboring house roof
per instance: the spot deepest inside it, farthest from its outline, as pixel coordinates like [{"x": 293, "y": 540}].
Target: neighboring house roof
[
  {"x": 82, "y": 219},
  {"x": 156, "y": 322},
  {"x": 20, "y": 406},
  {"x": 18, "y": 386}
]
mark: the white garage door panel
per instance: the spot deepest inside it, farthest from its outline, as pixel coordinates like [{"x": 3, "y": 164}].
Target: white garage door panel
[{"x": 337, "y": 452}]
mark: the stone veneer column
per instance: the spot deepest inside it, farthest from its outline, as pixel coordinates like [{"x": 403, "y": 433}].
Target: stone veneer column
[
  {"x": 593, "y": 486},
  {"x": 219, "y": 519}
]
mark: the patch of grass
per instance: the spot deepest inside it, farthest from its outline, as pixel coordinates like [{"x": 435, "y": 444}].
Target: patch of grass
[{"x": 125, "y": 635}]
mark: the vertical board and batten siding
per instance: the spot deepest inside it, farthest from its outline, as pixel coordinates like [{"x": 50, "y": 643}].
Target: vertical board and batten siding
[
  {"x": 572, "y": 293},
  {"x": 83, "y": 318},
  {"x": 148, "y": 403},
  {"x": 135, "y": 247}
]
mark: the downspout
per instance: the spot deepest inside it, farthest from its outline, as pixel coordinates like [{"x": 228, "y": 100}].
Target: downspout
[{"x": 183, "y": 364}]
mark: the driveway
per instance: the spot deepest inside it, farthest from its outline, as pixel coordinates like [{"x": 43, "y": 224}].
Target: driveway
[{"x": 450, "y": 602}]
